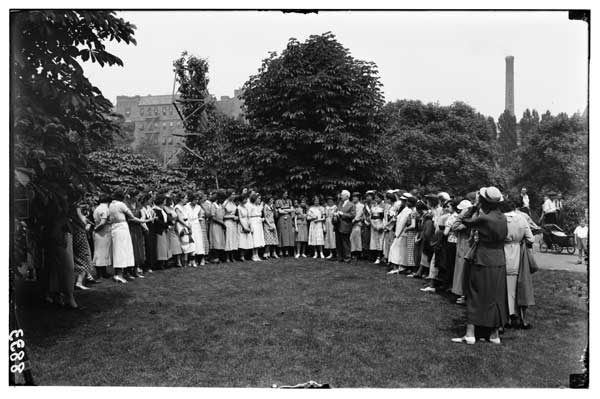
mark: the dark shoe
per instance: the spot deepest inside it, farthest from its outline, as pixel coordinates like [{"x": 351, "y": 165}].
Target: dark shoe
[{"x": 527, "y": 326}]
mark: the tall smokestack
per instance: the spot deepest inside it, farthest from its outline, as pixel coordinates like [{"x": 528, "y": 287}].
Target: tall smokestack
[{"x": 509, "y": 95}]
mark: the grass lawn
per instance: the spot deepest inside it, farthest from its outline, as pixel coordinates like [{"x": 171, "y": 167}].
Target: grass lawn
[{"x": 286, "y": 322}]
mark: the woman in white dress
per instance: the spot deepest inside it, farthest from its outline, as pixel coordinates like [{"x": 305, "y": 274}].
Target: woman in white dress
[
  {"x": 316, "y": 217},
  {"x": 231, "y": 230},
  {"x": 183, "y": 228},
  {"x": 122, "y": 246},
  {"x": 256, "y": 224},
  {"x": 194, "y": 213},
  {"x": 102, "y": 238},
  {"x": 245, "y": 241}
]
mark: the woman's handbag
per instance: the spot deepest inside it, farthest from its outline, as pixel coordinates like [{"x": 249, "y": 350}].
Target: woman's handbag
[{"x": 533, "y": 266}]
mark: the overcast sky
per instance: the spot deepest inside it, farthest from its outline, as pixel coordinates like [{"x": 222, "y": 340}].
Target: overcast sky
[{"x": 430, "y": 56}]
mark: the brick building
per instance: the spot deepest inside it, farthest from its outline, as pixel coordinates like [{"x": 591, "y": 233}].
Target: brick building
[{"x": 156, "y": 121}]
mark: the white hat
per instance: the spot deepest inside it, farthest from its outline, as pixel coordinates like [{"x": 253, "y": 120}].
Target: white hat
[
  {"x": 346, "y": 193},
  {"x": 444, "y": 195},
  {"x": 491, "y": 194},
  {"x": 464, "y": 204},
  {"x": 406, "y": 196}
]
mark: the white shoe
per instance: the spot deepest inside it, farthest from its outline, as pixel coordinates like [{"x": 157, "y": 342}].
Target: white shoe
[
  {"x": 203, "y": 263},
  {"x": 427, "y": 289},
  {"x": 377, "y": 261},
  {"x": 495, "y": 341},
  {"x": 466, "y": 340},
  {"x": 275, "y": 256},
  {"x": 322, "y": 256},
  {"x": 296, "y": 256},
  {"x": 304, "y": 255},
  {"x": 329, "y": 256},
  {"x": 315, "y": 256},
  {"x": 119, "y": 279},
  {"x": 395, "y": 271}
]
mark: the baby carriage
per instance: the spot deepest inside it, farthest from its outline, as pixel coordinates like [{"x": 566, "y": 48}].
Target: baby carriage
[{"x": 556, "y": 240}]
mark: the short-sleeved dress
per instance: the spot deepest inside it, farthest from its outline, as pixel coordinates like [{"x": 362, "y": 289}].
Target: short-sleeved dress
[
  {"x": 329, "y": 229},
  {"x": 174, "y": 241},
  {"x": 258, "y": 234},
  {"x": 285, "y": 223},
  {"x": 231, "y": 226},
  {"x": 270, "y": 235},
  {"x": 196, "y": 212},
  {"x": 302, "y": 234},
  {"x": 315, "y": 233},
  {"x": 217, "y": 231},
  {"x": 122, "y": 246},
  {"x": 244, "y": 234},
  {"x": 137, "y": 239},
  {"x": 377, "y": 232},
  {"x": 102, "y": 238}
]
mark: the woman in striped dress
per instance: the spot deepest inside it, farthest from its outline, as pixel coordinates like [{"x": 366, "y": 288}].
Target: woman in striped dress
[
  {"x": 271, "y": 240},
  {"x": 231, "y": 230},
  {"x": 377, "y": 227},
  {"x": 329, "y": 242},
  {"x": 411, "y": 234}
]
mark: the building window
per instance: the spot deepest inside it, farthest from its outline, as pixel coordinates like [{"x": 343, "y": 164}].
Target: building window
[
  {"x": 170, "y": 140},
  {"x": 142, "y": 111},
  {"x": 142, "y": 126}
]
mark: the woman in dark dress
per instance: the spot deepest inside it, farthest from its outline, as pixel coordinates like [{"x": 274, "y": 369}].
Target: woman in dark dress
[
  {"x": 485, "y": 288},
  {"x": 137, "y": 239}
]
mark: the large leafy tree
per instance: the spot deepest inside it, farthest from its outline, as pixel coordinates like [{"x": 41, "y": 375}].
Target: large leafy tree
[
  {"x": 528, "y": 123},
  {"x": 554, "y": 157},
  {"x": 435, "y": 147},
  {"x": 57, "y": 113},
  {"x": 316, "y": 114}
]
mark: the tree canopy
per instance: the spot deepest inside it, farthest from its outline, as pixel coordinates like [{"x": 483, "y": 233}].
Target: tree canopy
[
  {"x": 435, "y": 147},
  {"x": 316, "y": 113},
  {"x": 58, "y": 114}
]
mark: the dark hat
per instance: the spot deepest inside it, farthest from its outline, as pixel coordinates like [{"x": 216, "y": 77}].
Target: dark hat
[
  {"x": 356, "y": 194},
  {"x": 431, "y": 196}
]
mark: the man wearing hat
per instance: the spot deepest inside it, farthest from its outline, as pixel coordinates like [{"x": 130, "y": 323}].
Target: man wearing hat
[{"x": 346, "y": 214}]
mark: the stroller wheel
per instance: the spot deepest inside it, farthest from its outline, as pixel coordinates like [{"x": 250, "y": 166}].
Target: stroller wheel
[
  {"x": 543, "y": 247},
  {"x": 570, "y": 250},
  {"x": 557, "y": 248}
]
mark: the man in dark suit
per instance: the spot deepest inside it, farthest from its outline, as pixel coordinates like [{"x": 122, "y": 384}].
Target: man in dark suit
[{"x": 345, "y": 214}]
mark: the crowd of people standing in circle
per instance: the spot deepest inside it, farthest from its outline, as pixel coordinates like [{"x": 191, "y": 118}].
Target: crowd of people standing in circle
[{"x": 472, "y": 246}]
